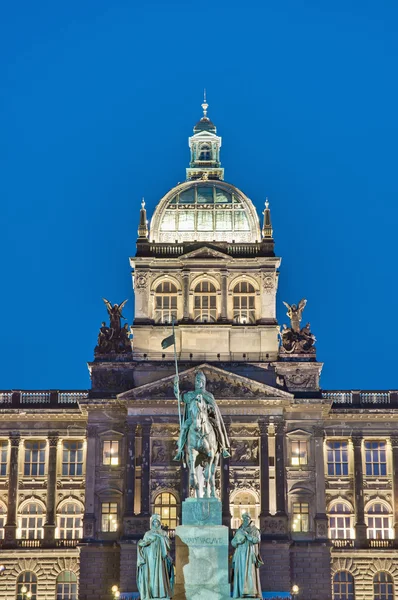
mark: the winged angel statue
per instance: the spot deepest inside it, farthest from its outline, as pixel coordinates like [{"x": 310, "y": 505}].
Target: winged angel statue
[
  {"x": 294, "y": 339},
  {"x": 114, "y": 338}
]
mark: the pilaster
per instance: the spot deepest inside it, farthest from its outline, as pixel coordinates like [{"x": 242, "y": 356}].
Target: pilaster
[
  {"x": 49, "y": 526},
  {"x": 360, "y": 525},
  {"x": 264, "y": 470},
  {"x": 394, "y": 447},
  {"x": 145, "y": 469},
  {"x": 89, "y": 514},
  {"x": 321, "y": 520},
  {"x": 10, "y": 529}
]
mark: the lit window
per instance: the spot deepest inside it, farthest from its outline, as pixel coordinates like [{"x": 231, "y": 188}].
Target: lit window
[
  {"x": 299, "y": 453},
  {"x": 70, "y": 521},
  {"x": 343, "y": 586},
  {"x": 378, "y": 519},
  {"x": 110, "y": 453},
  {"x": 35, "y": 458},
  {"x": 300, "y": 517},
  {"x": 67, "y": 586},
  {"x": 166, "y": 507},
  {"x": 340, "y": 522},
  {"x": 32, "y": 521},
  {"x": 205, "y": 302},
  {"x": 337, "y": 458},
  {"x": 165, "y": 302},
  {"x": 3, "y": 457},
  {"x": 26, "y": 582},
  {"x": 244, "y": 303},
  {"x": 72, "y": 459},
  {"x": 375, "y": 458},
  {"x": 383, "y": 586},
  {"x": 109, "y": 516},
  {"x": 244, "y": 502},
  {"x": 3, "y": 520}
]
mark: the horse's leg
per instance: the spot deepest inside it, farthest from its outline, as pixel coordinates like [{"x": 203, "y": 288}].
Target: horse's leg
[
  {"x": 206, "y": 473},
  {"x": 214, "y": 466},
  {"x": 193, "y": 480}
]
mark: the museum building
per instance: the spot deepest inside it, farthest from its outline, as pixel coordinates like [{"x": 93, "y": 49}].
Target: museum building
[{"x": 82, "y": 471}]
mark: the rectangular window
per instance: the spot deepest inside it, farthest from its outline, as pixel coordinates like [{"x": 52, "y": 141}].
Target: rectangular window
[
  {"x": 72, "y": 459},
  {"x": 3, "y": 457},
  {"x": 375, "y": 459},
  {"x": 35, "y": 458},
  {"x": 109, "y": 516},
  {"x": 300, "y": 517},
  {"x": 110, "y": 454},
  {"x": 299, "y": 454},
  {"x": 337, "y": 458}
]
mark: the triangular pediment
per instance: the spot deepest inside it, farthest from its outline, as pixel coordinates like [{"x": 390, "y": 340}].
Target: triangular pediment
[
  {"x": 221, "y": 383},
  {"x": 205, "y": 252}
]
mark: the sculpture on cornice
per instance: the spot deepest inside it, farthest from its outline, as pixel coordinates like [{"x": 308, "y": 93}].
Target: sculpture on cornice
[
  {"x": 296, "y": 340},
  {"x": 246, "y": 560},
  {"x": 155, "y": 570},
  {"x": 203, "y": 437},
  {"x": 115, "y": 338}
]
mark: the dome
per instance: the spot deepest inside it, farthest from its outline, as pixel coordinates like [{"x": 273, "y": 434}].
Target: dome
[
  {"x": 205, "y": 211},
  {"x": 204, "y": 125}
]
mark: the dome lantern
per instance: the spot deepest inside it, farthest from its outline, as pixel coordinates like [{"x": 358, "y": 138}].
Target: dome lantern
[{"x": 205, "y": 149}]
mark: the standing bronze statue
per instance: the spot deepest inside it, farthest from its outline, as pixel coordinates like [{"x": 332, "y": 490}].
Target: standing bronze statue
[
  {"x": 246, "y": 561},
  {"x": 155, "y": 570},
  {"x": 203, "y": 437}
]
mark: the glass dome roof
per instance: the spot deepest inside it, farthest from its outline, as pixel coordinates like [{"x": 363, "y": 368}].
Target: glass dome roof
[{"x": 205, "y": 211}]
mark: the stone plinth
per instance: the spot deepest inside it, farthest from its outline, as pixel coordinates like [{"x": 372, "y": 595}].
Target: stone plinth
[
  {"x": 201, "y": 552},
  {"x": 202, "y": 562}
]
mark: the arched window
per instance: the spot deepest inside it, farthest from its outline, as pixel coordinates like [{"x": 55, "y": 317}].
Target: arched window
[
  {"x": 383, "y": 586},
  {"x": 343, "y": 586},
  {"x": 26, "y": 582},
  {"x": 244, "y": 303},
  {"x": 379, "y": 521},
  {"x": 205, "y": 152},
  {"x": 205, "y": 302},
  {"x": 244, "y": 501},
  {"x": 70, "y": 521},
  {"x": 165, "y": 302},
  {"x": 67, "y": 586},
  {"x": 340, "y": 521},
  {"x": 3, "y": 519},
  {"x": 32, "y": 520},
  {"x": 166, "y": 507}
]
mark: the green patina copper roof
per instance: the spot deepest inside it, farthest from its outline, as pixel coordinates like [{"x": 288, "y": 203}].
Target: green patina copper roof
[{"x": 204, "y": 125}]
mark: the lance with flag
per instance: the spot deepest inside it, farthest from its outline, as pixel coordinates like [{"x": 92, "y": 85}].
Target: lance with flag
[{"x": 166, "y": 343}]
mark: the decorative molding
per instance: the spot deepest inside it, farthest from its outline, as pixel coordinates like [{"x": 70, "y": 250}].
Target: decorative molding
[{"x": 268, "y": 283}]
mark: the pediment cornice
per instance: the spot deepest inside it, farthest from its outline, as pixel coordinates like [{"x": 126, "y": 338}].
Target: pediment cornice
[
  {"x": 221, "y": 383},
  {"x": 205, "y": 252}
]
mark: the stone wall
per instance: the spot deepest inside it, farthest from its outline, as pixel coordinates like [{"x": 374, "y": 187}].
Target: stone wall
[
  {"x": 275, "y": 574},
  {"x": 99, "y": 571},
  {"x": 311, "y": 570}
]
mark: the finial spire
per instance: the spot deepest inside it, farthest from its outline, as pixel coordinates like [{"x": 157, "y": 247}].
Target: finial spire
[
  {"x": 267, "y": 226},
  {"x": 205, "y": 106},
  {"x": 143, "y": 226}
]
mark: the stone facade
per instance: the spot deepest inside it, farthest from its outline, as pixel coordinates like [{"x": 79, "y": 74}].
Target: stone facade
[{"x": 81, "y": 471}]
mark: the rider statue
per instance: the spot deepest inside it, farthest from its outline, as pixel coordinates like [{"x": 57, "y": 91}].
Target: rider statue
[{"x": 201, "y": 394}]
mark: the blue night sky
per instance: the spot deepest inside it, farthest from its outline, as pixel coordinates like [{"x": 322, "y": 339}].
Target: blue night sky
[{"x": 97, "y": 100}]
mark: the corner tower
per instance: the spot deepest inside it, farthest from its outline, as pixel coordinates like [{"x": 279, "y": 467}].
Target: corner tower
[{"x": 206, "y": 264}]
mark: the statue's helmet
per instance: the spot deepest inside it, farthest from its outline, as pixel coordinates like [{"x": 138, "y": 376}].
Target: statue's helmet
[{"x": 200, "y": 378}]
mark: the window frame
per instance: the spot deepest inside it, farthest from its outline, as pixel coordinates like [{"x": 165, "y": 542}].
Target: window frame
[
  {"x": 239, "y": 295},
  {"x": 4, "y": 453},
  {"x": 201, "y": 297},
  {"x": 40, "y": 463},
  {"x": 76, "y": 516},
  {"x": 71, "y": 595},
  {"x": 108, "y": 516},
  {"x": 160, "y": 508},
  {"x": 38, "y": 529},
  {"x": 165, "y": 314},
  {"x": 116, "y": 454},
  {"x": 333, "y": 466},
  {"x": 372, "y": 467},
  {"x": 66, "y": 465},
  {"x": 343, "y": 594},
  {"x": 386, "y": 518},
  {"x": 31, "y": 585},
  {"x": 378, "y": 594},
  {"x": 347, "y": 516},
  {"x": 306, "y": 513},
  {"x": 301, "y": 461}
]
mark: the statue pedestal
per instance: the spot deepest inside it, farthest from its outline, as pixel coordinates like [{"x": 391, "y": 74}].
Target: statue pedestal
[{"x": 201, "y": 552}]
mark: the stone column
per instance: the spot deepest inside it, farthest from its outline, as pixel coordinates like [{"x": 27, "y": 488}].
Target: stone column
[
  {"x": 89, "y": 514},
  {"x": 321, "y": 521},
  {"x": 49, "y": 526},
  {"x": 225, "y": 484},
  {"x": 224, "y": 296},
  {"x": 10, "y": 529},
  {"x": 145, "y": 468},
  {"x": 264, "y": 470},
  {"x": 360, "y": 525},
  {"x": 185, "y": 296},
  {"x": 394, "y": 447},
  {"x": 280, "y": 468},
  {"x": 130, "y": 470}
]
